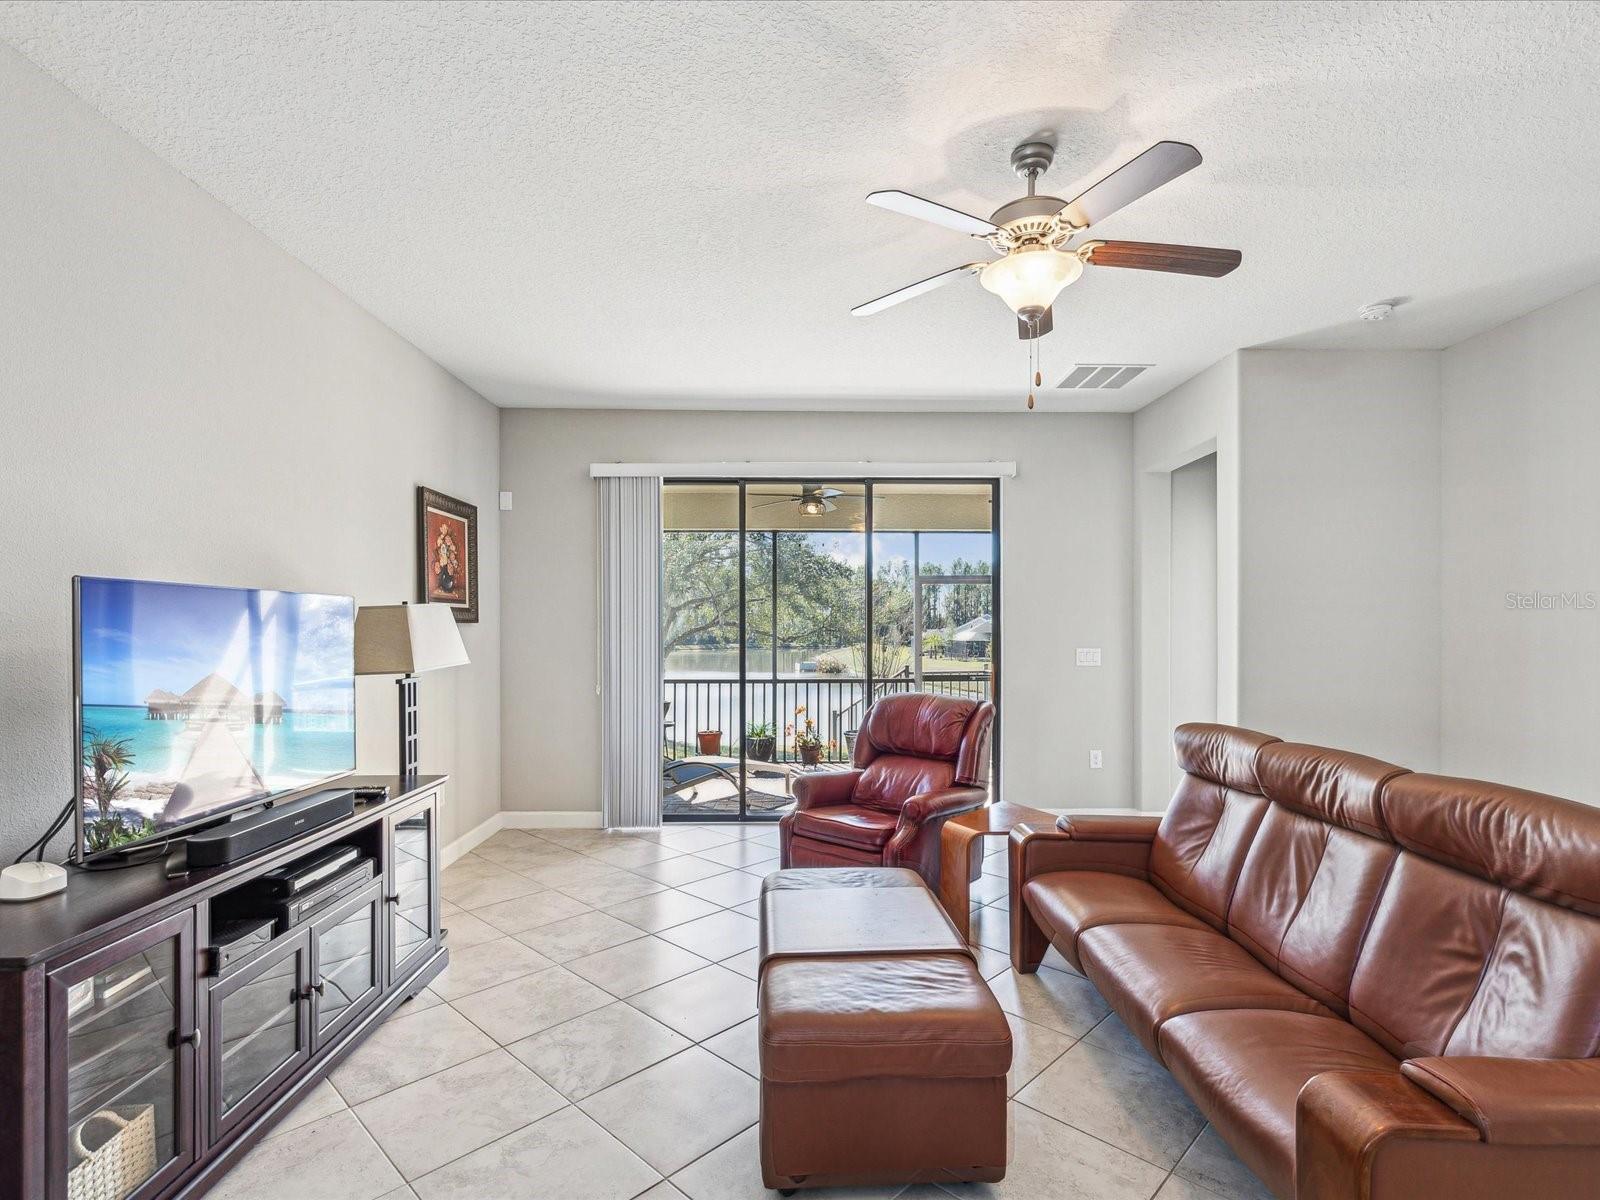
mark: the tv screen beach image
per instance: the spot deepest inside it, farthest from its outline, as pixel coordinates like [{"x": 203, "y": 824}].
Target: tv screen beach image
[{"x": 194, "y": 700}]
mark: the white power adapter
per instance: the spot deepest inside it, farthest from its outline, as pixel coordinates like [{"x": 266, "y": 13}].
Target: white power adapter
[{"x": 31, "y": 881}]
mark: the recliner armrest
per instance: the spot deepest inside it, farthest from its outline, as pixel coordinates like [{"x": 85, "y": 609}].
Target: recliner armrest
[
  {"x": 1517, "y": 1101},
  {"x": 946, "y": 802},
  {"x": 1345, "y": 1121},
  {"x": 825, "y": 788}
]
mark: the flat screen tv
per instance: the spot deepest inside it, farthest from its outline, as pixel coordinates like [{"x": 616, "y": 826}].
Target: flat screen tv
[{"x": 193, "y": 702}]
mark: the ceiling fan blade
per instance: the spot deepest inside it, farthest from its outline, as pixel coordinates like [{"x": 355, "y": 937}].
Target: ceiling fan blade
[
  {"x": 913, "y": 289},
  {"x": 1159, "y": 256},
  {"x": 828, "y": 506},
  {"x": 779, "y": 500},
  {"x": 1160, "y": 164},
  {"x": 1028, "y": 330},
  {"x": 908, "y": 205}
]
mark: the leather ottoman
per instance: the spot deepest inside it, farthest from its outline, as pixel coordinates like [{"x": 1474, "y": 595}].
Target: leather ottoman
[{"x": 883, "y": 1052}]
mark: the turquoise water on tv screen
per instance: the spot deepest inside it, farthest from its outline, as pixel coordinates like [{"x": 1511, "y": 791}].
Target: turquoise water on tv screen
[{"x": 305, "y": 746}]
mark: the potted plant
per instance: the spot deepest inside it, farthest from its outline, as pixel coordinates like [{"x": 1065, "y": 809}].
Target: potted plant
[
  {"x": 805, "y": 737},
  {"x": 759, "y": 742},
  {"x": 709, "y": 741}
]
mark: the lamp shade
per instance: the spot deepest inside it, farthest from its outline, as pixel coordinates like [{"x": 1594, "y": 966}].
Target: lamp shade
[
  {"x": 406, "y": 639},
  {"x": 1030, "y": 277}
]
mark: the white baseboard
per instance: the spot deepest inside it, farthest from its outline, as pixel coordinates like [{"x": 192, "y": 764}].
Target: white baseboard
[
  {"x": 479, "y": 834},
  {"x": 583, "y": 819}
]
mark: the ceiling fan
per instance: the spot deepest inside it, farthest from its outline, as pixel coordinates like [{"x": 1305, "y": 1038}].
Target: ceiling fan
[
  {"x": 1034, "y": 235},
  {"x": 814, "y": 499}
]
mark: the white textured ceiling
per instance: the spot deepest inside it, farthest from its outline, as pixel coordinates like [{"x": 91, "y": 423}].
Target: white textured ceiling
[{"x": 662, "y": 204}]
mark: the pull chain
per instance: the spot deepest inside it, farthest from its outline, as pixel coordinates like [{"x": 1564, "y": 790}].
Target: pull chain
[{"x": 1033, "y": 367}]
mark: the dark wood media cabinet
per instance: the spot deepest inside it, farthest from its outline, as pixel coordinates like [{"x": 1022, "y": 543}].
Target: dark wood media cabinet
[{"x": 119, "y": 1025}]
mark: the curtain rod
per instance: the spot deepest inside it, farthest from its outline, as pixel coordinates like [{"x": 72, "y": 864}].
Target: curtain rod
[{"x": 808, "y": 470}]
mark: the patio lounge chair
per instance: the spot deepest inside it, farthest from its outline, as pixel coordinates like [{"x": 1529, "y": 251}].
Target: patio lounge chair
[{"x": 684, "y": 775}]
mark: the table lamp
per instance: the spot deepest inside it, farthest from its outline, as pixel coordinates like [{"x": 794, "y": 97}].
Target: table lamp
[{"x": 405, "y": 640}]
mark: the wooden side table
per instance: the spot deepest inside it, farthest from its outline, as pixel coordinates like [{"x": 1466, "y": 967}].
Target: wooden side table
[{"x": 961, "y": 838}]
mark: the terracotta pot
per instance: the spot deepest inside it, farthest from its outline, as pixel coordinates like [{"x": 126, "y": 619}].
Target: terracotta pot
[
  {"x": 709, "y": 741},
  {"x": 810, "y": 755}
]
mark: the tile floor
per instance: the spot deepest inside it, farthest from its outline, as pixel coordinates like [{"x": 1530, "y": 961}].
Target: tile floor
[{"x": 594, "y": 1039}]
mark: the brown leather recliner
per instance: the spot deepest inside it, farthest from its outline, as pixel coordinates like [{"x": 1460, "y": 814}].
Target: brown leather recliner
[
  {"x": 919, "y": 760},
  {"x": 1376, "y": 984}
]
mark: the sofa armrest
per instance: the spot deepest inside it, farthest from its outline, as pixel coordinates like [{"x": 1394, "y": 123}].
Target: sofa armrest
[
  {"x": 1345, "y": 1121},
  {"x": 1110, "y": 827},
  {"x": 1118, "y": 844},
  {"x": 825, "y": 789},
  {"x": 1517, "y": 1101}
]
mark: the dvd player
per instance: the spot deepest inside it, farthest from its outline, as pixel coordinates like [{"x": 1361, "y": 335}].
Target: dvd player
[{"x": 272, "y": 826}]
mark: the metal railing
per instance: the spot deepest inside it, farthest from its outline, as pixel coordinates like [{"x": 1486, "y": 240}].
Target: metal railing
[{"x": 835, "y": 702}]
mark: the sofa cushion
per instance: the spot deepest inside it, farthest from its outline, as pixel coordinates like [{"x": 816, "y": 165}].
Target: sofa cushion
[
  {"x": 1153, "y": 973},
  {"x": 847, "y": 824},
  {"x": 1069, "y": 903},
  {"x": 1304, "y": 897},
  {"x": 927, "y": 1016},
  {"x": 1207, "y": 830},
  {"x": 1244, "y": 1068}
]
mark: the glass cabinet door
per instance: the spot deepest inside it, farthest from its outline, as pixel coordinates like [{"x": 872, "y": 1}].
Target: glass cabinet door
[
  {"x": 347, "y": 964},
  {"x": 413, "y": 908},
  {"x": 126, "y": 1075},
  {"x": 259, "y": 1034}
]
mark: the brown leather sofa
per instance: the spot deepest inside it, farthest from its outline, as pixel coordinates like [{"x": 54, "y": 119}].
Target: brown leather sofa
[
  {"x": 919, "y": 760},
  {"x": 1376, "y": 984}
]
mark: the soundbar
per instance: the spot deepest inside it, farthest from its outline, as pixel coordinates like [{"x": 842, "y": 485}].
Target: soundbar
[{"x": 244, "y": 836}]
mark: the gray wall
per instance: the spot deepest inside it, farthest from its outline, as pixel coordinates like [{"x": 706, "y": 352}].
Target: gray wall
[
  {"x": 183, "y": 400},
  {"x": 1196, "y": 421},
  {"x": 1192, "y": 615},
  {"x": 1067, "y": 542},
  {"x": 1339, "y": 550},
  {"x": 1521, "y": 470}
]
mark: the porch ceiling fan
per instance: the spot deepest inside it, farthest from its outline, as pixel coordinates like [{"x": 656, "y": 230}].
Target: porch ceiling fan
[
  {"x": 814, "y": 499},
  {"x": 1035, "y": 236}
]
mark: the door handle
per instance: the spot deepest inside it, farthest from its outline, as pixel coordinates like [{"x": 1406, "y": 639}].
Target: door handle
[
  {"x": 176, "y": 1039},
  {"x": 305, "y": 992},
  {"x": 392, "y": 899}
]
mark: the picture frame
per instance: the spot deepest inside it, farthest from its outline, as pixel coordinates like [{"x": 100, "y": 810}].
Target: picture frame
[{"x": 447, "y": 553}]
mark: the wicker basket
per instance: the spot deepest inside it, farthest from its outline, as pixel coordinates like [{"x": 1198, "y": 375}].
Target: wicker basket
[{"x": 120, "y": 1163}]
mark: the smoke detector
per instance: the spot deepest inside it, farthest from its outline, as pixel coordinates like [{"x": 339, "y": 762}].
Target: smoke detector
[{"x": 1375, "y": 312}]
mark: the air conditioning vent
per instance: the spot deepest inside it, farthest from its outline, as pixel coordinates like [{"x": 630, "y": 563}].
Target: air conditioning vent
[{"x": 1102, "y": 377}]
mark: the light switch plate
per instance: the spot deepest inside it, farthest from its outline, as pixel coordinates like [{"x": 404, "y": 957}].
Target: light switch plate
[
  {"x": 1088, "y": 656},
  {"x": 505, "y": 501},
  {"x": 1096, "y": 761}
]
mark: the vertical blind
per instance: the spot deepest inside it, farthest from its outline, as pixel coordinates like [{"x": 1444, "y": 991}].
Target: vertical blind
[{"x": 630, "y": 651}]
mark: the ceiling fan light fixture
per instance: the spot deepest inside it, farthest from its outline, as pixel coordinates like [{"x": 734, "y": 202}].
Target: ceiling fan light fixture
[{"x": 1030, "y": 277}]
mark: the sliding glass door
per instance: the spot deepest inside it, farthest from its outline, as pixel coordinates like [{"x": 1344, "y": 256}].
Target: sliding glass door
[{"x": 789, "y": 606}]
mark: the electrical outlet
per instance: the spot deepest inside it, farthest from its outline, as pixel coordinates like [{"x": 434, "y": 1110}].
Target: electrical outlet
[
  {"x": 1096, "y": 761},
  {"x": 505, "y": 501},
  {"x": 1088, "y": 656}
]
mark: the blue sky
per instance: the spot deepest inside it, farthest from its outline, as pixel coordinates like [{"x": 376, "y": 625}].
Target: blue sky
[
  {"x": 139, "y": 636},
  {"x": 937, "y": 548}
]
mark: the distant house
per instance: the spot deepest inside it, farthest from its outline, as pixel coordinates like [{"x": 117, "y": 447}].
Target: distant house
[
  {"x": 269, "y": 708},
  {"x": 215, "y": 699},
  {"x": 970, "y": 640},
  {"x": 162, "y": 705}
]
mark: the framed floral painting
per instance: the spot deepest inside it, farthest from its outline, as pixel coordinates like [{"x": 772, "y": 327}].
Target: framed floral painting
[{"x": 447, "y": 553}]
